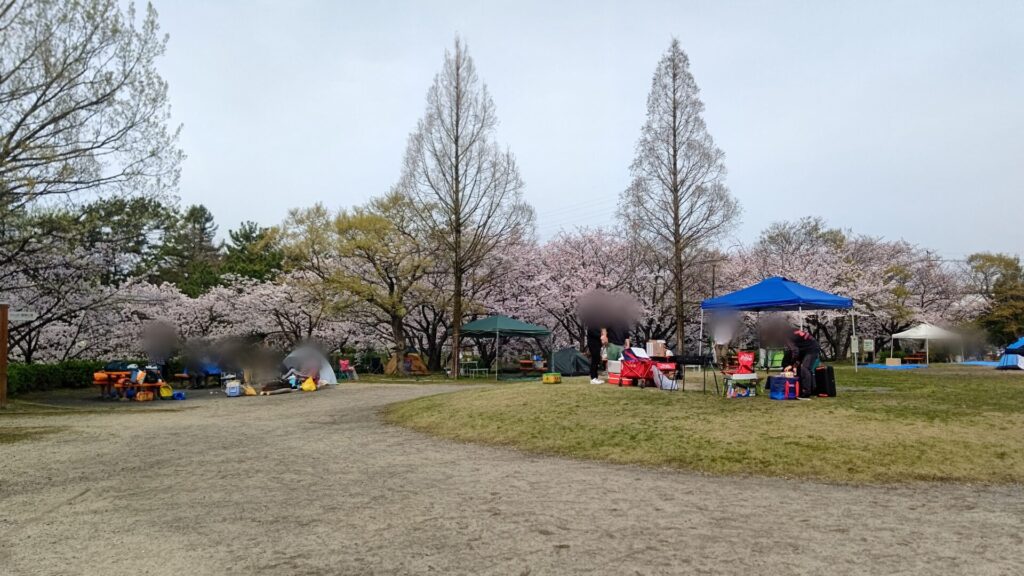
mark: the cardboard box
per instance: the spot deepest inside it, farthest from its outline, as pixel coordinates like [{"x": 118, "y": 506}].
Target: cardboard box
[
  {"x": 656, "y": 348},
  {"x": 893, "y": 361}
]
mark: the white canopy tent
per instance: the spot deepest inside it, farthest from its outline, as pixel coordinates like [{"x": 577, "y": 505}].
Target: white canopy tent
[{"x": 926, "y": 332}]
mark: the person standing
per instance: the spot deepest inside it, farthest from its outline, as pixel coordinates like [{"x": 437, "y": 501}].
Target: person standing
[
  {"x": 723, "y": 328},
  {"x": 616, "y": 338},
  {"x": 594, "y": 345},
  {"x": 593, "y": 312},
  {"x": 802, "y": 352}
]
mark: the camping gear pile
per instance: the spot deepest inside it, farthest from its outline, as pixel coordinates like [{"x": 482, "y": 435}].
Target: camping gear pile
[
  {"x": 637, "y": 368},
  {"x": 786, "y": 386},
  {"x": 306, "y": 370},
  {"x": 121, "y": 380},
  {"x": 775, "y": 294}
]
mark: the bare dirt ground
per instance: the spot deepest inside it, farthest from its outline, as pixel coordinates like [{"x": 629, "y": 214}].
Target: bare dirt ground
[{"x": 316, "y": 484}]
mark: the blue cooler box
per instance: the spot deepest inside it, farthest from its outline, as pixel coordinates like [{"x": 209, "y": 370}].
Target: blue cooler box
[{"x": 783, "y": 388}]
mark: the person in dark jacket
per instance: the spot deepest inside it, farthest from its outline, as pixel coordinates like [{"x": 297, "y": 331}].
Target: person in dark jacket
[
  {"x": 616, "y": 338},
  {"x": 801, "y": 353},
  {"x": 594, "y": 345}
]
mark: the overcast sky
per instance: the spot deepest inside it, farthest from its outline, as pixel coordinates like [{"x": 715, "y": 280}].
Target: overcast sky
[{"x": 899, "y": 119}]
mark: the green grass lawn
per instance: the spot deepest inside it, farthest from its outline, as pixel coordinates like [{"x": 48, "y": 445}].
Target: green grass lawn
[{"x": 963, "y": 424}]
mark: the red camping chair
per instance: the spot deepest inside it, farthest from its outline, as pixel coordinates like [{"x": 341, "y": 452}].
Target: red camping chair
[
  {"x": 346, "y": 371},
  {"x": 743, "y": 374}
]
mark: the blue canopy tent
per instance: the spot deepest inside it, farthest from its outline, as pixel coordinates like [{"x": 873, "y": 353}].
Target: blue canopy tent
[
  {"x": 1016, "y": 348},
  {"x": 777, "y": 294},
  {"x": 1013, "y": 357}
]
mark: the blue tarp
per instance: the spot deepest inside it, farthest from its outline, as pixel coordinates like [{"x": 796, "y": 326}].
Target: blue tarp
[
  {"x": 209, "y": 368},
  {"x": 897, "y": 367},
  {"x": 1016, "y": 348},
  {"x": 980, "y": 363},
  {"x": 779, "y": 294}
]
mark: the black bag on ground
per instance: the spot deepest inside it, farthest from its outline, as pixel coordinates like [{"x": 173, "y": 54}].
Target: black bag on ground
[{"x": 825, "y": 381}]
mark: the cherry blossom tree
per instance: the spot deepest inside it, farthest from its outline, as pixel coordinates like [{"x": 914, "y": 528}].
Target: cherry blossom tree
[{"x": 893, "y": 283}]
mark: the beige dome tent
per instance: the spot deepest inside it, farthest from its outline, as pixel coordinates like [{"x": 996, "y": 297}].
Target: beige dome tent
[{"x": 411, "y": 364}]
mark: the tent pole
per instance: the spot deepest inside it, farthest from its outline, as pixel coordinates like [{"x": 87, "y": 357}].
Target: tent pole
[
  {"x": 800, "y": 311},
  {"x": 927, "y": 359},
  {"x": 551, "y": 342},
  {"x": 700, "y": 353},
  {"x": 853, "y": 323},
  {"x": 497, "y": 353},
  {"x": 757, "y": 322},
  {"x": 700, "y": 338}
]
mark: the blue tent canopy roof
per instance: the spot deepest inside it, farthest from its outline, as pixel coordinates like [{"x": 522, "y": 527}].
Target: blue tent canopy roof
[
  {"x": 777, "y": 294},
  {"x": 1016, "y": 348}
]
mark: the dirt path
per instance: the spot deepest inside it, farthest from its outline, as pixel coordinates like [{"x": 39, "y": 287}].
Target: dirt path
[{"x": 316, "y": 484}]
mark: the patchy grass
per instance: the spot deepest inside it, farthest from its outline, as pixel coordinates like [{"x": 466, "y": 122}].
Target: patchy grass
[
  {"x": 962, "y": 424},
  {"x": 10, "y": 435}
]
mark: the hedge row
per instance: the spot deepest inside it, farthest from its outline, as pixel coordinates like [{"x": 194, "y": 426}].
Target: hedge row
[{"x": 23, "y": 378}]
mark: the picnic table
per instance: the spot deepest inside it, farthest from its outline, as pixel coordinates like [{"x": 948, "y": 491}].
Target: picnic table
[
  {"x": 125, "y": 384},
  {"x": 918, "y": 358},
  {"x": 530, "y": 367},
  {"x": 471, "y": 368}
]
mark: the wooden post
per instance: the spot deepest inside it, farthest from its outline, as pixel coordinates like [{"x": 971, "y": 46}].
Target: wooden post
[{"x": 3, "y": 355}]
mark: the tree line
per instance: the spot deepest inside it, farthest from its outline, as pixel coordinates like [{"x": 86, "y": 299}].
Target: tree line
[{"x": 93, "y": 239}]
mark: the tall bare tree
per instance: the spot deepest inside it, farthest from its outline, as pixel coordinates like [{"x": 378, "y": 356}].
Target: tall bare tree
[
  {"x": 677, "y": 203},
  {"x": 466, "y": 189},
  {"x": 83, "y": 113}
]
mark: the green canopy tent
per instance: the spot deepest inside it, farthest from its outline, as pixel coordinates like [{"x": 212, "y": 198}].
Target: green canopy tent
[{"x": 498, "y": 326}]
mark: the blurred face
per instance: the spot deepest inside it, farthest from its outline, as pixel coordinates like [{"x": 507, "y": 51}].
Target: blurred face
[{"x": 600, "y": 308}]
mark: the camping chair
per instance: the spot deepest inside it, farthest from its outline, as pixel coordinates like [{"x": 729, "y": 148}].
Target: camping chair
[
  {"x": 346, "y": 371},
  {"x": 744, "y": 374},
  {"x": 770, "y": 360}
]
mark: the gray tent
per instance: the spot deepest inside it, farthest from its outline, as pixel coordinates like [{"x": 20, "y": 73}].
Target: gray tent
[
  {"x": 570, "y": 362},
  {"x": 304, "y": 356}
]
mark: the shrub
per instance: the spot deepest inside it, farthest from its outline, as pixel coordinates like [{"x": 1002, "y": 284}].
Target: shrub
[{"x": 23, "y": 378}]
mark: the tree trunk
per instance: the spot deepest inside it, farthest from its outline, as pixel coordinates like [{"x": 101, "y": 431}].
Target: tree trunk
[
  {"x": 680, "y": 304},
  {"x": 456, "y": 323},
  {"x": 398, "y": 334}
]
